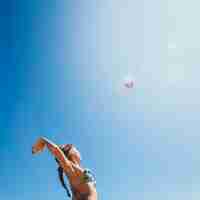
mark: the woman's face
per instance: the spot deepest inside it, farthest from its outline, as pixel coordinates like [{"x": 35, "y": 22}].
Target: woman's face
[{"x": 74, "y": 155}]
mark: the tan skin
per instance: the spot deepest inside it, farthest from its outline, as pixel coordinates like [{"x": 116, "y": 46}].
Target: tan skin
[{"x": 71, "y": 166}]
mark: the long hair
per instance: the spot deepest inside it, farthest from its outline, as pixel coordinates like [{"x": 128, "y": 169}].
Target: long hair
[
  {"x": 61, "y": 178},
  {"x": 65, "y": 149}
]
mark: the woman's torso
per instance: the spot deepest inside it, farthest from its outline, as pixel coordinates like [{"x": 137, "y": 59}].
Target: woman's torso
[{"x": 82, "y": 184}]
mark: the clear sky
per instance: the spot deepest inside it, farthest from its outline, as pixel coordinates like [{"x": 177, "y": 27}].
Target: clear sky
[{"x": 62, "y": 66}]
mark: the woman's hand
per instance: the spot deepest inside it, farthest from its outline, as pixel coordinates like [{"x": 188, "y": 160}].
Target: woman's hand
[{"x": 38, "y": 146}]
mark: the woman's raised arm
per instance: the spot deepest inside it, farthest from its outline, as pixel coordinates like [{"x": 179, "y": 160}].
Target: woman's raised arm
[{"x": 42, "y": 142}]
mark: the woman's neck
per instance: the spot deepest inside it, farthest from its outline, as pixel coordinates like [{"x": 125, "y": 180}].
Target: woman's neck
[{"x": 76, "y": 162}]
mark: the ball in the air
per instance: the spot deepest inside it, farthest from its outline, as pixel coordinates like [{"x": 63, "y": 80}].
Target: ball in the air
[{"x": 129, "y": 82}]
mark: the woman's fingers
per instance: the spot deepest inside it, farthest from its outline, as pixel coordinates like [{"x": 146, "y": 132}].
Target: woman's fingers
[
  {"x": 38, "y": 146},
  {"x": 34, "y": 150}
]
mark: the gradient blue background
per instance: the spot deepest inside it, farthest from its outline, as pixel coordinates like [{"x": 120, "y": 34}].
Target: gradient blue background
[{"x": 62, "y": 69}]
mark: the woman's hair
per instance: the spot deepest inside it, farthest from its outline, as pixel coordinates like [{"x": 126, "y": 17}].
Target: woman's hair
[
  {"x": 61, "y": 178},
  {"x": 65, "y": 148}
]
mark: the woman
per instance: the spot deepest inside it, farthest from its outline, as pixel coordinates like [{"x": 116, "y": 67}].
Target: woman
[{"x": 68, "y": 158}]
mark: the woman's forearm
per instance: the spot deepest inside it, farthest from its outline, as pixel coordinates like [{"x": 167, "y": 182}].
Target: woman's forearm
[{"x": 55, "y": 151}]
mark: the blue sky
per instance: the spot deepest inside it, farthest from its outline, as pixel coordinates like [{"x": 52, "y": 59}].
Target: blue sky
[{"x": 63, "y": 65}]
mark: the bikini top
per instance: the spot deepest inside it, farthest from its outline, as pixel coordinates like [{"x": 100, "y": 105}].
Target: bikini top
[{"x": 87, "y": 177}]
